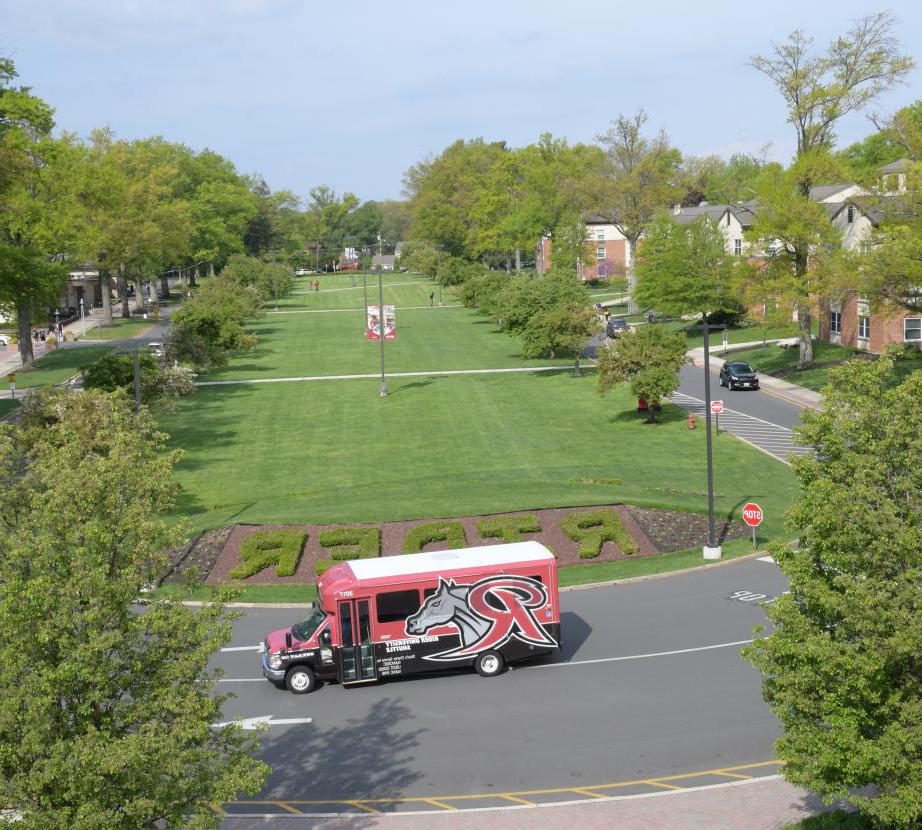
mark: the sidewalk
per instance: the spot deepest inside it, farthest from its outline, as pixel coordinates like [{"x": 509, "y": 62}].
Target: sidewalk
[
  {"x": 762, "y": 804},
  {"x": 806, "y": 398}
]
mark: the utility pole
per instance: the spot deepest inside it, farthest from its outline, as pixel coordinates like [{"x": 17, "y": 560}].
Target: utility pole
[
  {"x": 712, "y": 549},
  {"x": 383, "y": 389},
  {"x": 365, "y": 291}
]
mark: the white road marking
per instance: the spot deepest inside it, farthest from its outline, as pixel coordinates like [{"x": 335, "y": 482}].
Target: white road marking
[
  {"x": 442, "y": 373},
  {"x": 249, "y": 724},
  {"x": 642, "y": 656},
  {"x": 243, "y": 648},
  {"x": 769, "y": 559},
  {"x": 569, "y": 662}
]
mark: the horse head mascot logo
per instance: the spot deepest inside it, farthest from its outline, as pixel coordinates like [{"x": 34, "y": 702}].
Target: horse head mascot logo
[{"x": 487, "y": 614}]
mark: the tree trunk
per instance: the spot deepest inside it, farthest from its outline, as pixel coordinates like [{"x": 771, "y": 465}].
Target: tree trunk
[
  {"x": 165, "y": 286},
  {"x": 805, "y": 357},
  {"x": 123, "y": 293},
  {"x": 631, "y": 278},
  {"x": 576, "y": 370},
  {"x": 518, "y": 260},
  {"x": 24, "y": 330},
  {"x": 508, "y": 263},
  {"x": 141, "y": 307},
  {"x": 105, "y": 287}
]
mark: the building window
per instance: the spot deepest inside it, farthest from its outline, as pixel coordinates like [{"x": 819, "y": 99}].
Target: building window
[
  {"x": 912, "y": 329},
  {"x": 851, "y": 214},
  {"x": 835, "y": 322},
  {"x": 600, "y": 252},
  {"x": 738, "y": 247},
  {"x": 396, "y": 606},
  {"x": 600, "y": 235},
  {"x": 864, "y": 328}
]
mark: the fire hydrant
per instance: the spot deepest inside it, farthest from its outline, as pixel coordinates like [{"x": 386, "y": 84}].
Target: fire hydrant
[{"x": 691, "y": 421}]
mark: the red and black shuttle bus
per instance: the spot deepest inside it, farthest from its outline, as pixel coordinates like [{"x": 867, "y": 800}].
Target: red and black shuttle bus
[{"x": 398, "y": 615}]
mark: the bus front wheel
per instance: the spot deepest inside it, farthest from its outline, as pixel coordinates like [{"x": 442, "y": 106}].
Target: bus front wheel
[
  {"x": 489, "y": 664},
  {"x": 300, "y": 680}
]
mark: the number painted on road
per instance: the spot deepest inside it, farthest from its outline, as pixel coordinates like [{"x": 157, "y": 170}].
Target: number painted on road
[{"x": 753, "y": 596}]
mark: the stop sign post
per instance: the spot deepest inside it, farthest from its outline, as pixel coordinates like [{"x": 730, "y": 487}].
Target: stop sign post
[
  {"x": 717, "y": 408},
  {"x": 753, "y": 516},
  {"x": 11, "y": 380}
]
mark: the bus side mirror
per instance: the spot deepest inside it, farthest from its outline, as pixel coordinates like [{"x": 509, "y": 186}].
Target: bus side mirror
[
  {"x": 288, "y": 639},
  {"x": 325, "y": 637}
]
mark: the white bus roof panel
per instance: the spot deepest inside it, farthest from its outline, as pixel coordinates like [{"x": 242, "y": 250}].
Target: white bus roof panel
[{"x": 442, "y": 561}]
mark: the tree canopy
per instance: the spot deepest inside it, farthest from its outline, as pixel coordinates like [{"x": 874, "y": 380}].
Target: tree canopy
[{"x": 841, "y": 668}]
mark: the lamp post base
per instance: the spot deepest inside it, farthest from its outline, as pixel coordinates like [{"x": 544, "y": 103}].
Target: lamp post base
[
  {"x": 712, "y": 553},
  {"x": 382, "y": 390}
]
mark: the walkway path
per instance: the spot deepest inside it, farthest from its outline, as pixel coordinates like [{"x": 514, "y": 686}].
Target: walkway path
[
  {"x": 442, "y": 373},
  {"x": 358, "y": 309}
]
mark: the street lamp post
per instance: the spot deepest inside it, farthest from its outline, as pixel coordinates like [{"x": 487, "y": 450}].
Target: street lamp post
[
  {"x": 382, "y": 391},
  {"x": 712, "y": 549},
  {"x": 365, "y": 290}
]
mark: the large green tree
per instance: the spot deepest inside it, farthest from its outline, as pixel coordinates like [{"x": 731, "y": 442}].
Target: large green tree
[
  {"x": 685, "y": 269},
  {"x": 40, "y": 215},
  {"x": 649, "y": 358},
  {"x": 107, "y": 714},
  {"x": 639, "y": 180},
  {"x": 842, "y": 667},
  {"x": 820, "y": 89}
]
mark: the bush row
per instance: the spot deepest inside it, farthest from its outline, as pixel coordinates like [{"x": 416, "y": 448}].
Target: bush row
[{"x": 283, "y": 548}]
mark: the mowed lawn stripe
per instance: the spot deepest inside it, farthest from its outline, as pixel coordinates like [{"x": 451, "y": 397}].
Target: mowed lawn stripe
[{"x": 338, "y": 453}]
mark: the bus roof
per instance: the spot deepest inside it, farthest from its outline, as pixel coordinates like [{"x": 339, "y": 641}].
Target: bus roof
[{"x": 443, "y": 561}]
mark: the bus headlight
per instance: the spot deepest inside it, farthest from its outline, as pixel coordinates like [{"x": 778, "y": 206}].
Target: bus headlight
[{"x": 275, "y": 661}]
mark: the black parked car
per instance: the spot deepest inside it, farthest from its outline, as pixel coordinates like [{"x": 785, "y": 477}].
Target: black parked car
[
  {"x": 615, "y": 327},
  {"x": 738, "y": 375}
]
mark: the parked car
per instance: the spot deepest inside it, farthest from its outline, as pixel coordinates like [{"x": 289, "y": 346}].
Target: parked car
[
  {"x": 738, "y": 375},
  {"x": 615, "y": 327},
  {"x": 5, "y": 339}
]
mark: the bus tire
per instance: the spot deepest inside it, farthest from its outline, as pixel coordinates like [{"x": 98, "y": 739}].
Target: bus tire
[
  {"x": 489, "y": 664},
  {"x": 299, "y": 680}
]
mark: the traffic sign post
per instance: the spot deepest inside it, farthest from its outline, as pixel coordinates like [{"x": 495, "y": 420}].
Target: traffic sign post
[
  {"x": 717, "y": 408},
  {"x": 11, "y": 379},
  {"x": 753, "y": 516}
]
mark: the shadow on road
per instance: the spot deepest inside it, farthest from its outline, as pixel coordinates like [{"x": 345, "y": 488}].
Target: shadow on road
[{"x": 358, "y": 758}]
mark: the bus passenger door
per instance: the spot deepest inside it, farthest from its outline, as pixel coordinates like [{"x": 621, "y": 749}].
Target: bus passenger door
[{"x": 357, "y": 659}]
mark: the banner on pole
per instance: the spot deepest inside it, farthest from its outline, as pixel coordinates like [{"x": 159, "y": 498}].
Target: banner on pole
[{"x": 373, "y": 322}]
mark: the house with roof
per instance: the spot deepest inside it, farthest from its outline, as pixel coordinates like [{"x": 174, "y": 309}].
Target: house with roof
[{"x": 610, "y": 255}]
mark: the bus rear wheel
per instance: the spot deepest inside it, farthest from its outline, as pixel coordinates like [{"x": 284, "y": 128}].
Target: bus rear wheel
[
  {"x": 300, "y": 680},
  {"x": 489, "y": 664}
]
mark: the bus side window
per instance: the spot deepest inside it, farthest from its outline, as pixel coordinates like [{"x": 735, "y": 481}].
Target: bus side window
[{"x": 396, "y": 606}]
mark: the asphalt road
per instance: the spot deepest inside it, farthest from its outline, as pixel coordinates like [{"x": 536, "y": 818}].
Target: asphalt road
[{"x": 618, "y": 703}]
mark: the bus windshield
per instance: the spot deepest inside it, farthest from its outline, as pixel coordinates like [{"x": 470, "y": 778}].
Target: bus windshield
[{"x": 306, "y": 629}]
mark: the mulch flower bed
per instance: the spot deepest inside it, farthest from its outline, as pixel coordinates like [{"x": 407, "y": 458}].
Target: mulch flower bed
[{"x": 655, "y": 531}]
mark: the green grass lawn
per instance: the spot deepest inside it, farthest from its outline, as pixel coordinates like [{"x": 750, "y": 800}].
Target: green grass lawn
[
  {"x": 334, "y": 452},
  {"x": 121, "y": 329},
  {"x": 7, "y": 405},
  {"x": 323, "y": 334},
  {"x": 57, "y": 366}
]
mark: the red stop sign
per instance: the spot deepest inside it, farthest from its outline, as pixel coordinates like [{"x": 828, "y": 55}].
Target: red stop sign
[{"x": 752, "y": 514}]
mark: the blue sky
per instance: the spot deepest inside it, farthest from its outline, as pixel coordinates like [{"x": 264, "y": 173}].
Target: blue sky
[{"x": 350, "y": 94}]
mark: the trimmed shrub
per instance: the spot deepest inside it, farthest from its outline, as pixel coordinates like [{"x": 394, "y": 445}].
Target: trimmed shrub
[
  {"x": 347, "y": 543},
  {"x": 508, "y": 528},
  {"x": 595, "y": 527},
  {"x": 421, "y": 535},
  {"x": 263, "y": 548}
]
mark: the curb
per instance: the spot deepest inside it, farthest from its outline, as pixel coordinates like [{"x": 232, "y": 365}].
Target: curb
[{"x": 195, "y": 603}]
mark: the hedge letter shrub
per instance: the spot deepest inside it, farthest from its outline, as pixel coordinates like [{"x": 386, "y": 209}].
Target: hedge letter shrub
[
  {"x": 595, "y": 527},
  {"x": 421, "y": 535},
  {"x": 348, "y": 543},
  {"x": 508, "y": 528},
  {"x": 263, "y": 548}
]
